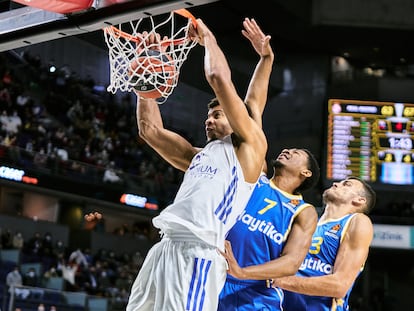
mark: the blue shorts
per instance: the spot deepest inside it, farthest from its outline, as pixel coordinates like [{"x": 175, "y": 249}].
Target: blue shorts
[
  {"x": 294, "y": 301},
  {"x": 238, "y": 295}
]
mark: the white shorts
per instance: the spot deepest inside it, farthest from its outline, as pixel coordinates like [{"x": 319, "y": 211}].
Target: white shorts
[{"x": 179, "y": 275}]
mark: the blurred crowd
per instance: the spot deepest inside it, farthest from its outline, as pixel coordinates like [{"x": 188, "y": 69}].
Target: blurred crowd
[
  {"x": 103, "y": 273},
  {"x": 56, "y": 122}
]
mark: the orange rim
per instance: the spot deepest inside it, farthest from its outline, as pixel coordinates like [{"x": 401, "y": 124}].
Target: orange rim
[
  {"x": 187, "y": 14},
  {"x": 122, "y": 34}
]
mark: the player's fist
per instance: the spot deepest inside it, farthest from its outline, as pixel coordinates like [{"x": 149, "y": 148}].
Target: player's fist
[{"x": 93, "y": 216}]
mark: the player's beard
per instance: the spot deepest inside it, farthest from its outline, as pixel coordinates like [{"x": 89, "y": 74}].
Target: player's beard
[
  {"x": 277, "y": 166},
  {"x": 325, "y": 195},
  {"x": 328, "y": 196}
]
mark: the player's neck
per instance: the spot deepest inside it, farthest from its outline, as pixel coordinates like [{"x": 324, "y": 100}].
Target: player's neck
[
  {"x": 284, "y": 184},
  {"x": 335, "y": 211}
]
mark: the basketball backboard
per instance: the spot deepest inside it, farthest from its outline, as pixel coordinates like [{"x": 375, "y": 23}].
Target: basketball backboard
[{"x": 25, "y": 25}]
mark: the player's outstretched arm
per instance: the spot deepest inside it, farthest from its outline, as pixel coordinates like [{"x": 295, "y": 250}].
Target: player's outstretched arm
[
  {"x": 252, "y": 143},
  {"x": 355, "y": 246},
  {"x": 257, "y": 92},
  {"x": 288, "y": 263},
  {"x": 175, "y": 149}
]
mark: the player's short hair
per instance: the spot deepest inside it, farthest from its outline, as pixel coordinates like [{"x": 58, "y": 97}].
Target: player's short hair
[
  {"x": 213, "y": 103},
  {"x": 313, "y": 166},
  {"x": 368, "y": 193}
]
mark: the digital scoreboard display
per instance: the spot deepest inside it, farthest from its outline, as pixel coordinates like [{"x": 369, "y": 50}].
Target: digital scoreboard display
[{"x": 371, "y": 140}]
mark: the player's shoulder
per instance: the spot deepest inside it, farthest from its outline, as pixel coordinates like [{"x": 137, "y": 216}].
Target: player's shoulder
[
  {"x": 360, "y": 224},
  {"x": 308, "y": 212},
  {"x": 361, "y": 219},
  {"x": 263, "y": 179}
]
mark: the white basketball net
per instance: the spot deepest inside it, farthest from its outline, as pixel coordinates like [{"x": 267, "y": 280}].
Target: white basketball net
[{"x": 126, "y": 43}]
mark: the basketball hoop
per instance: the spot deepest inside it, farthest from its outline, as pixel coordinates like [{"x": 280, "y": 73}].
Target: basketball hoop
[{"x": 134, "y": 66}]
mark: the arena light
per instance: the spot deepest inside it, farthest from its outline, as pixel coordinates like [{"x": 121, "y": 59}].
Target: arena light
[
  {"x": 137, "y": 201},
  {"x": 18, "y": 175}
]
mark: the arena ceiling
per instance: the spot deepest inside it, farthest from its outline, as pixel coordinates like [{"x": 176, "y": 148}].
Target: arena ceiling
[{"x": 376, "y": 33}]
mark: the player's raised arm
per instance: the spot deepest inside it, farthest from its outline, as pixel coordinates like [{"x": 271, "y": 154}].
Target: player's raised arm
[
  {"x": 175, "y": 149},
  {"x": 252, "y": 145},
  {"x": 257, "y": 91}
]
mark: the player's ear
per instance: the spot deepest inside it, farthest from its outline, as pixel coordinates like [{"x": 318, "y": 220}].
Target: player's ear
[
  {"x": 306, "y": 173},
  {"x": 360, "y": 201}
]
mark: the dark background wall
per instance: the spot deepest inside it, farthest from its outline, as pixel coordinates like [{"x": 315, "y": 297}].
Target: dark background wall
[{"x": 309, "y": 37}]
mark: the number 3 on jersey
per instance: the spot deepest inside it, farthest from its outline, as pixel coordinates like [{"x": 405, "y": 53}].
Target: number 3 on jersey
[{"x": 316, "y": 245}]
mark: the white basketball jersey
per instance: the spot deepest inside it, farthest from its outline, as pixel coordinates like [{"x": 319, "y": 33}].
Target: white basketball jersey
[{"x": 213, "y": 193}]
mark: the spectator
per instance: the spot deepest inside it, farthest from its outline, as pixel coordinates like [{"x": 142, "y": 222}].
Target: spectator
[
  {"x": 104, "y": 281},
  {"x": 78, "y": 257},
  {"x": 4, "y": 120},
  {"x": 5, "y": 98},
  {"x": 7, "y": 78},
  {"x": 37, "y": 110},
  {"x": 59, "y": 250},
  {"x": 137, "y": 259},
  {"x": 40, "y": 158},
  {"x": 34, "y": 248},
  {"x": 90, "y": 281},
  {"x": 18, "y": 240},
  {"x": 141, "y": 230},
  {"x": 123, "y": 281},
  {"x": 15, "y": 123},
  {"x": 30, "y": 146},
  {"x": 62, "y": 154},
  {"x": 22, "y": 100},
  {"x": 47, "y": 245},
  {"x": 14, "y": 280},
  {"x": 69, "y": 274},
  {"x": 111, "y": 175},
  {"x": 51, "y": 273},
  {"x": 6, "y": 239},
  {"x": 30, "y": 278},
  {"x": 10, "y": 141}
]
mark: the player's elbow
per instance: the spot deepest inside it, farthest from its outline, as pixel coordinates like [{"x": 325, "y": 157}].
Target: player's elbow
[
  {"x": 340, "y": 291},
  {"x": 290, "y": 271},
  {"x": 340, "y": 288},
  {"x": 293, "y": 266},
  {"x": 217, "y": 78},
  {"x": 213, "y": 79}
]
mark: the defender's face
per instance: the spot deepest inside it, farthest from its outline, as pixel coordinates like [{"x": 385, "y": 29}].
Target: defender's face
[
  {"x": 293, "y": 158},
  {"x": 217, "y": 125},
  {"x": 343, "y": 191}
]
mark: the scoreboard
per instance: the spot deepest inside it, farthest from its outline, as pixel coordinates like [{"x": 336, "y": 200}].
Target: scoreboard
[{"x": 371, "y": 140}]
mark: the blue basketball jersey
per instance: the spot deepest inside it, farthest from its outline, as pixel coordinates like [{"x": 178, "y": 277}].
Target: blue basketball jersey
[
  {"x": 259, "y": 236},
  {"x": 318, "y": 262}
]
